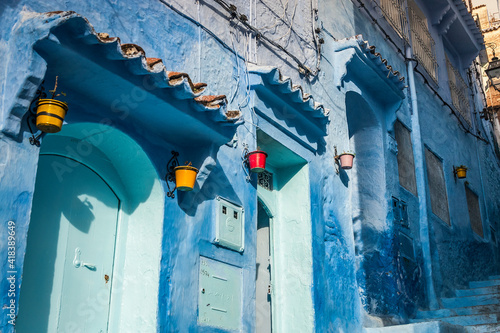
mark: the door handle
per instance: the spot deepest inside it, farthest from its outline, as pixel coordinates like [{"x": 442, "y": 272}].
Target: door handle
[
  {"x": 78, "y": 263},
  {"x": 89, "y": 266}
]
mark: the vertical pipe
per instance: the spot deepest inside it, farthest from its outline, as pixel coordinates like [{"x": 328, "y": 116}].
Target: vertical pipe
[
  {"x": 418, "y": 152},
  {"x": 476, "y": 123}
]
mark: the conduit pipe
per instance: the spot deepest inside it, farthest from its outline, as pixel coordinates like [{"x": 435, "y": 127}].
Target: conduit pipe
[
  {"x": 418, "y": 152},
  {"x": 476, "y": 143}
]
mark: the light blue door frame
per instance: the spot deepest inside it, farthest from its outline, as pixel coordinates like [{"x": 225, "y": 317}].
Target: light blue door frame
[{"x": 69, "y": 258}]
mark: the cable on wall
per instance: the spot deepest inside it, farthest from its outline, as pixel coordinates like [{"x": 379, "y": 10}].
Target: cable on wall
[{"x": 243, "y": 19}]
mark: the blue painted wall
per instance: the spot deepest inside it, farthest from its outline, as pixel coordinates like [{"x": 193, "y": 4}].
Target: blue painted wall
[{"x": 350, "y": 288}]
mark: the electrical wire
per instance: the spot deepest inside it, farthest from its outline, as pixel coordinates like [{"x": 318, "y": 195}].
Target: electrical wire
[{"x": 243, "y": 20}]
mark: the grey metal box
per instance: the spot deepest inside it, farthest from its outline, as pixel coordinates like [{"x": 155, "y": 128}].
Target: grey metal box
[
  {"x": 219, "y": 302},
  {"x": 229, "y": 226}
]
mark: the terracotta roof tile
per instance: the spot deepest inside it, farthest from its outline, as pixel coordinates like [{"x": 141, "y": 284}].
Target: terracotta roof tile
[
  {"x": 212, "y": 101},
  {"x": 153, "y": 61},
  {"x": 132, "y": 51}
]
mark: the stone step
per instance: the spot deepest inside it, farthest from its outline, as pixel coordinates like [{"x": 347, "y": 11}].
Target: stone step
[
  {"x": 478, "y": 291},
  {"x": 425, "y": 327},
  {"x": 484, "y": 328},
  {"x": 494, "y": 277},
  {"x": 466, "y": 301},
  {"x": 470, "y": 310},
  {"x": 477, "y": 319},
  {"x": 487, "y": 283}
]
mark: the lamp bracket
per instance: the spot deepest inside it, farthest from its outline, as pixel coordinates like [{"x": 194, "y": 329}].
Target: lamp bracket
[
  {"x": 170, "y": 176},
  {"x": 31, "y": 118},
  {"x": 244, "y": 161},
  {"x": 337, "y": 160}
]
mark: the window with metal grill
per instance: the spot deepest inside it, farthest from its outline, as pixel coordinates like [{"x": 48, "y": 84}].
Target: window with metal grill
[
  {"x": 265, "y": 180},
  {"x": 437, "y": 186},
  {"x": 474, "y": 211},
  {"x": 406, "y": 164},
  {"x": 422, "y": 43}
]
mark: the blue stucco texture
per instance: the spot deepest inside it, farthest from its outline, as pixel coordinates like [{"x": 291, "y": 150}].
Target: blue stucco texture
[{"x": 359, "y": 276}]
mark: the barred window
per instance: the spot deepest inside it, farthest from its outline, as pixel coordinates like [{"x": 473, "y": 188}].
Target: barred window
[
  {"x": 406, "y": 164},
  {"x": 421, "y": 40},
  {"x": 474, "y": 211},
  {"x": 437, "y": 186},
  {"x": 395, "y": 13}
]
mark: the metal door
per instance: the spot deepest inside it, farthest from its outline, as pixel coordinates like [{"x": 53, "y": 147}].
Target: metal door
[
  {"x": 67, "y": 275},
  {"x": 263, "y": 273}
]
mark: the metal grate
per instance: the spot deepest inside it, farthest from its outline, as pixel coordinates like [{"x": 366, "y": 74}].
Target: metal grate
[
  {"x": 437, "y": 186},
  {"x": 458, "y": 89},
  {"x": 395, "y": 14},
  {"x": 422, "y": 41},
  {"x": 474, "y": 211},
  {"x": 406, "y": 164},
  {"x": 265, "y": 180}
]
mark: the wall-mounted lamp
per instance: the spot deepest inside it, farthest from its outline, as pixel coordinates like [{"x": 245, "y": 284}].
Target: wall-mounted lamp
[
  {"x": 254, "y": 161},
  {"x": 493, "y": 69},
  {"x": 460, "y": 172},
  {"x": 184, "y": 176},
  {"x": 344, "y": 160},
  {"x": 46, "y": 113}
]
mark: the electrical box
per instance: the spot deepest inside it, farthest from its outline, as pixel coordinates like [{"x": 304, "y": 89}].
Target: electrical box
[
  {"x": 229, "y": 228},
  {"x": 219, "y": 302}
]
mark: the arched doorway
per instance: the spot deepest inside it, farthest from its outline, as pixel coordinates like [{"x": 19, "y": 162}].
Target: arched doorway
[
  {"x": 70, "y": 253},
  {"x": 91, "y": 263}
]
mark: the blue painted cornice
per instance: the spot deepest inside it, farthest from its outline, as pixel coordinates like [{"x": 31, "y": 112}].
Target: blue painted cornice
[
  {"x": 355, "y": 60},
  {"x": 287, "y": 107},
  {"x": 96, "y": 65},
  {"x": 453, "y": 20}
]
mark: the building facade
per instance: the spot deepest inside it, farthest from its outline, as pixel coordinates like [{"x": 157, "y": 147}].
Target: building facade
[{"x": 95, "y": 237}]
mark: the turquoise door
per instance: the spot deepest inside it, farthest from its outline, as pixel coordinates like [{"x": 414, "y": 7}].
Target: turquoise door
[
  {"x": 263, "y": 317},
  {"x": 68, "y": 266}
]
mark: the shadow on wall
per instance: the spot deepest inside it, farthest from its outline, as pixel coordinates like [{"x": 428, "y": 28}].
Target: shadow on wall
[
  {"x": 118, "y": 159},
  {"x": 216, "y": 184}
]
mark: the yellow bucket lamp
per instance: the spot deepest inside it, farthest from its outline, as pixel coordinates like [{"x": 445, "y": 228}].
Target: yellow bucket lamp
[
  {"x": 46, "y": 113},
  {"x": 460, "y": 172},
  {"x": 50, "y": 115},
  {"x": 184, "y": 176}
]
